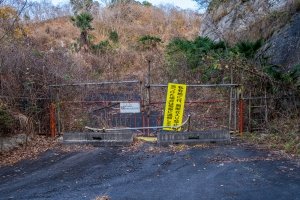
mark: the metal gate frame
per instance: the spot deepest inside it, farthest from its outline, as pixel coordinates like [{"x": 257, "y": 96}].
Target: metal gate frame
[
  {"x": 57, "y": 103},
  {"x": 234, "y": 101},
  {"x": 150, "y": 123}
]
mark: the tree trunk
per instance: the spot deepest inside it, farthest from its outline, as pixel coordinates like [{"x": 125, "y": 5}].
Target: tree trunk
[{"x": 84, "y": 43}]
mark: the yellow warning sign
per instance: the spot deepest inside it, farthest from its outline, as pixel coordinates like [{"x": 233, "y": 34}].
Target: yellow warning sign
[{"x": 174, "y": 108}]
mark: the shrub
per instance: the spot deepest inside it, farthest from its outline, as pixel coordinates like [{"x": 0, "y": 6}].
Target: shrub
[
  {"x": 146, "y": 3},
  {"x": 194, "y": 51},
  {"x": 292, "y": 77},
  {"x": 247, "y": 48},
  {"x": 149, "y": 41},
  {"x": 101, "y": 47},
  {"x": 6, "y": 121},
  {"x": 294, "y": 74},
  {"x": 275, "y": 72},
  {"x": 114, "y": 36}
]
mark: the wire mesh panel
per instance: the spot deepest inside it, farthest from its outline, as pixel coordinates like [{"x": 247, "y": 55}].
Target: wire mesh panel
[{"x": 96, "y": 105}]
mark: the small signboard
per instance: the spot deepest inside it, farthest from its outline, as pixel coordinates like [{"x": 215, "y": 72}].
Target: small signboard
[
  {"x": 174, "y": 108},
  {"x": 130, "y": 107}
]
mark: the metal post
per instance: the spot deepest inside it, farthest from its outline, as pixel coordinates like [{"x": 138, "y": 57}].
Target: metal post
[
  {"x": 230, "y": 99},
  {"x": 189, "y": 125},
  {"x": 149, "y": 94},
  {"x": 235, "y": 110},
  {"x": 230, "y": 109},
  {"x": 241, "y": 116},
  {"x": 52, "y": 120},
  {"x": 266, "y": 108},
  {"x": 249, "y": 114},
  {"x": 58, "y": 112}
]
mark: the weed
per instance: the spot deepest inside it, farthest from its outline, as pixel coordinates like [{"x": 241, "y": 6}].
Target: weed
[
  {"x": 114, "y": 36},
  {"x": 101, "y": 47}
]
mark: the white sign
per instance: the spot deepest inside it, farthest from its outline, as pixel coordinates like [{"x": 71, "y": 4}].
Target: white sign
[{"x": 130, "y": 107}]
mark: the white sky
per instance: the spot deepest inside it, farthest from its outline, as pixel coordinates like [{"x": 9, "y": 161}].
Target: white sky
[{"x": 184, "y": 4}]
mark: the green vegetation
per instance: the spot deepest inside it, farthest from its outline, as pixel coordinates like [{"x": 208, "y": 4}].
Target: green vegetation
[
  {"x": 114, "y": 36},
  {"x": 149, "y": 41},
  {"x": 6, "y": 122},
  {"x": 208, "y": 62},
  {"x": 83, "y": 22},
  {"x": 291, "y": 77},
  {"x": 247, "y": 48},
  {"x": 209, "y": 58},
  {"x": 294, "y": 75},
  {"x": 147, "y": 3},
  {"x": 193, "y": 51},
  {"x": 101, "y": 47}
]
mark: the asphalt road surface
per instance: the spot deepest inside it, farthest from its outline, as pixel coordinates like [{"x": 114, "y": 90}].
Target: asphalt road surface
[{"x": 218, "y": 172}]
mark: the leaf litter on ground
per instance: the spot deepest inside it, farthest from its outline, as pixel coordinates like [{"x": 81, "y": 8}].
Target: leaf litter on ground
[{"x": 37, "y": 145}]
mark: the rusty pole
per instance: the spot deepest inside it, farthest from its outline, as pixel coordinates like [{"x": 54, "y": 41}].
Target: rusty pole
[
  {"x": 52, "y": 121},
  {"x": 241, "y": 107},
  {"x": 241, "y": 116}
]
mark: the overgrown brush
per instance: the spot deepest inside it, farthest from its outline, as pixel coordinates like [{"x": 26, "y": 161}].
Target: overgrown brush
[
  {"x": 283, "y": 134},
  {"x": 7, "y": 122}
]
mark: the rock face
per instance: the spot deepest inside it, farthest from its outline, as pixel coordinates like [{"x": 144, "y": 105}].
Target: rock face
[
  {"x": 283, "y": 49},
  {"x": 235, "y": 20},
  {"x": 276, "y": 21}
]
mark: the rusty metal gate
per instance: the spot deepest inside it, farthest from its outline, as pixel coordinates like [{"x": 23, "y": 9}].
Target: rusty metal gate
[
  {"x": 211, "y": 107},
  {"x": 94, "y": 104},
  {"x": 75, "y": 106}
]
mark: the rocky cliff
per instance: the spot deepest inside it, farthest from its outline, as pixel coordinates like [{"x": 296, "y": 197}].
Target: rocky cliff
[
  {"x": 235, "y": 20},
  {"x": 283, "y": 49},
  {"x": 276, "y": 21}
]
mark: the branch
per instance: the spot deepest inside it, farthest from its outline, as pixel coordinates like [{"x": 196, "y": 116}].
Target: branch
[{"x": 16, "y": 18}]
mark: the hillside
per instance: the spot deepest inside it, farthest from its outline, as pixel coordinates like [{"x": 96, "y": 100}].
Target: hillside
[
  {"x": 234, "y": 42},
  {"x": 131, "y": 22}
]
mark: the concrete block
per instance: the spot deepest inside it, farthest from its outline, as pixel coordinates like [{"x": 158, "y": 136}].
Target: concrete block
[
  {"x": 210, "y": 136},
  {"x": 112, "y": 138}
]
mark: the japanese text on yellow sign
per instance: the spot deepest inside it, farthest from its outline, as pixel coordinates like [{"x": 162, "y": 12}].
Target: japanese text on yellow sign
[{"x": 174, "y": 108}]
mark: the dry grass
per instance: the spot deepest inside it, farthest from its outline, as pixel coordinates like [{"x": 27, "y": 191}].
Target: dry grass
[
  {"x": 283, "y": 134},
  {"x": 130, "y": 21},
  {"x": 54, "y": 33}
]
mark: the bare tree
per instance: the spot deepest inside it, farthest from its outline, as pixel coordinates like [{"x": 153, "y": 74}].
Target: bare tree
[
  {"x": 11, "y": 22},
  {"x": 80, "y": 6}
]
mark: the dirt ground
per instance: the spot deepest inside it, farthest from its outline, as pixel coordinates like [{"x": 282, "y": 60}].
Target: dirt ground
[{"x": 145, "y": 171}]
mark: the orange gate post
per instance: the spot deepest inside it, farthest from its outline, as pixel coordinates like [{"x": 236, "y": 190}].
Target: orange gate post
[{"x": 52, "y": 120}]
